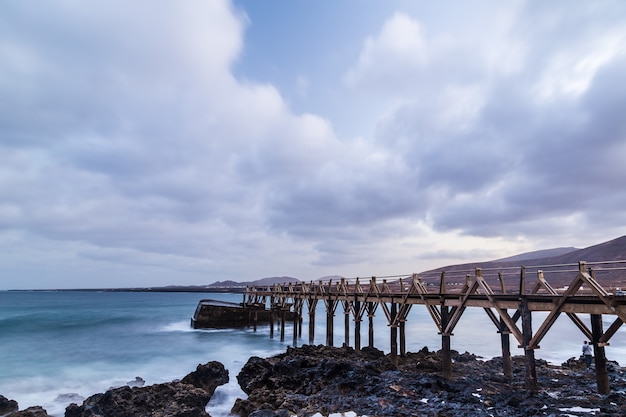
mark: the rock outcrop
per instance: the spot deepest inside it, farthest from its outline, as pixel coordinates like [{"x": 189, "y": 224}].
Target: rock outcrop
[
  {"x": 185, "y": 398},
  {"x": 10, "y": 408},
  {"x": 7, "y": 406},
  {"x": 311, "y": 379}
]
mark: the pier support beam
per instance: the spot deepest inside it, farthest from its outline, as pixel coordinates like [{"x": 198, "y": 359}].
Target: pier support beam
[
  {"x": 330, "y": 325},
  {"x": 296, "y": 321},
  {"x": 505, "y": 341},
  {"x": 312, "y": 305},
  {"x": 370, "y": 316},
  {"x": 446, "y": 351},
  {"x": 300, "y": 325},
  {"x": 357, "y": 327},
  {"x": 272, "y": 320},
  {"x": 403, "y": 338},
  {"x": 602, "y": 376},
  {"x": 311, "y": 328},
  {"x": 529, "y": 354},
  {"x": 394, "y": 335},
  {"x": 346, "y": 325},
  {"x": 282, "y": 324}
]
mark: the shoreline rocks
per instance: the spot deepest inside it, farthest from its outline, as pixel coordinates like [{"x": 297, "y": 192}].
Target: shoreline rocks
[
  {"x": 185, "y": 398},
  {"x": 320, "y": 379},
  {"x": 312, "y": 380}
]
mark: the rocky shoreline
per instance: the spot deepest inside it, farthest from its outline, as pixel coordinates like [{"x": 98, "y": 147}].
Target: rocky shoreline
[{"x": 319, "y": 379}]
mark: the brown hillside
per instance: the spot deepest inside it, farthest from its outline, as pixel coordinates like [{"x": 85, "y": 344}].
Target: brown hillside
[{"x": 609, "y": 274}]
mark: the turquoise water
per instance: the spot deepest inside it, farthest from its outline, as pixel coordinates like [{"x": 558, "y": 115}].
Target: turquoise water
[{"x": 61, "y": 347}]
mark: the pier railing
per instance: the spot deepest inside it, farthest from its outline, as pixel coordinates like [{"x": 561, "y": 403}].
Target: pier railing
[{"x": 507, "y": 295}]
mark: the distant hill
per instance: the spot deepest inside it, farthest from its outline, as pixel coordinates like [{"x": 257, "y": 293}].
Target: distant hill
[
  {"x": 613, "y": 250},
  {"x": 262, "y": 281},
  {"x": 538, "y": 254}
]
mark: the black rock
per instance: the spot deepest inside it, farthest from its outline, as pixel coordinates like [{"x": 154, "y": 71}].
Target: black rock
[
  {"x": 319, "y": 379},
  {"x": 7, "y": 406},
  {"x": 35, "y": 411},
  {"x": 185, "y": 398}
]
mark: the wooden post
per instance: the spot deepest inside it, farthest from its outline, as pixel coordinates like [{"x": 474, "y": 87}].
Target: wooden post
[
  {"x": 256, "y": 318},
  {"x": 296, "y": 319},
  {"x": 311, "y": 326},
  {"x": 507, "y": 361},
  {"x": 346, "y": 325},
  {"x": 394, "y": 334},
  {"x": 446, "y": 351},
  {"x": 529, "y": 354},
  {"x": 357, "y": 327},
  {"x": 402, "y": 338},
  {"x": 505, "y": 339},
  {"x": 282, "y": 324},
  {"x": 272, "y": 319},
  {"x": 370, "y": 316},
  {"x": 300, "y": 324},
  {"x": 330, "y": 323},
  {"x": 602, "y": 376}
]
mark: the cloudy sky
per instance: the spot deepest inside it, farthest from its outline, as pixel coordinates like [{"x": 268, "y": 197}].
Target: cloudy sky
[{"x": 151, "y": 143}]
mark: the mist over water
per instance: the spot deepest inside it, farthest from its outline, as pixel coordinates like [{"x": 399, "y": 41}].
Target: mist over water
[{"x": 61, "y": 347}]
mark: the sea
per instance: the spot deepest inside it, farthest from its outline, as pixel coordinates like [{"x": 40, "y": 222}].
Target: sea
[{"x": 59, "y": 347}]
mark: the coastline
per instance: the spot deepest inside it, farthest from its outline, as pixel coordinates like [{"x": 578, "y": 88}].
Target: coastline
[{"x": 320, "y": 380}]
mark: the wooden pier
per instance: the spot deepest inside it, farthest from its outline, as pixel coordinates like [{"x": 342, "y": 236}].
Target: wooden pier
[{"x": 507, "y": 295}]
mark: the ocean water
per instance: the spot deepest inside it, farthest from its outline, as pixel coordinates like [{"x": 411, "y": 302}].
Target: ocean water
[{"x": 61, "y": 347}]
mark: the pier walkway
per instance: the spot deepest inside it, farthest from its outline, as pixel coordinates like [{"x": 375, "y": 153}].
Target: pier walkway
[{"x": 508, "y": 295}]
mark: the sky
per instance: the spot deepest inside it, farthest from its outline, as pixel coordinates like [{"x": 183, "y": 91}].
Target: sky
[{"x": 186, "y": 142}]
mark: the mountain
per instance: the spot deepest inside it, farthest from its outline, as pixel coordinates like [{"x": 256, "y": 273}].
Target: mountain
[
  {"x": 612, "y": 275},
  {"x": 260, "y": 282},
  {"x": 612, "y": 250},
  {"x": 538, "y": 254}
]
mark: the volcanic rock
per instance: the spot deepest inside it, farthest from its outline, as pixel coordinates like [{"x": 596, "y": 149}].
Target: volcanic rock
[
  {"x": 7, "y": 406},
  {"x": 35, "y": 411},
  {"x": 185, "y": 398},
  {"x": 319, "y": 379}
]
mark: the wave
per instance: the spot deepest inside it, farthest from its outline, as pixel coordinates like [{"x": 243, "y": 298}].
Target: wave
[
  {"x": 40, "y": 322},
  {"x": 184, "y": 326}
]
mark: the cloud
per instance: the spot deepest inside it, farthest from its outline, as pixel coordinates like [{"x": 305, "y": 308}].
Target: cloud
[
  {"x": 399, "y": 48},
  {"x": 126, "y": 141},
  {"x": 508, "y": 150}
]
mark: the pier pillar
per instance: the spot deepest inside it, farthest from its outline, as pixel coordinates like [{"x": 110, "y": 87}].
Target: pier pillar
[
  {"x": 529, "y": 354},
  {"x": 446, "y": 351},
  {"x": 311, "y": 326},
  {"x": 394, "y": 334},
  {"x": 370, "y": 316},
  {"x": 300, "y": 325},
  {"x": 282, "y": 324},
  {"x": 507, "y": 361},
  {"x": 357, "y": 326},
  {"x": 402, "y": 338},
  {"x": 346, "y": 320},
  {"x": 330, "y": 324},
  {"x": 602, "y": 376},
  {"x": 272, "y": 320},
  {"x": 296, "y": 320}
]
